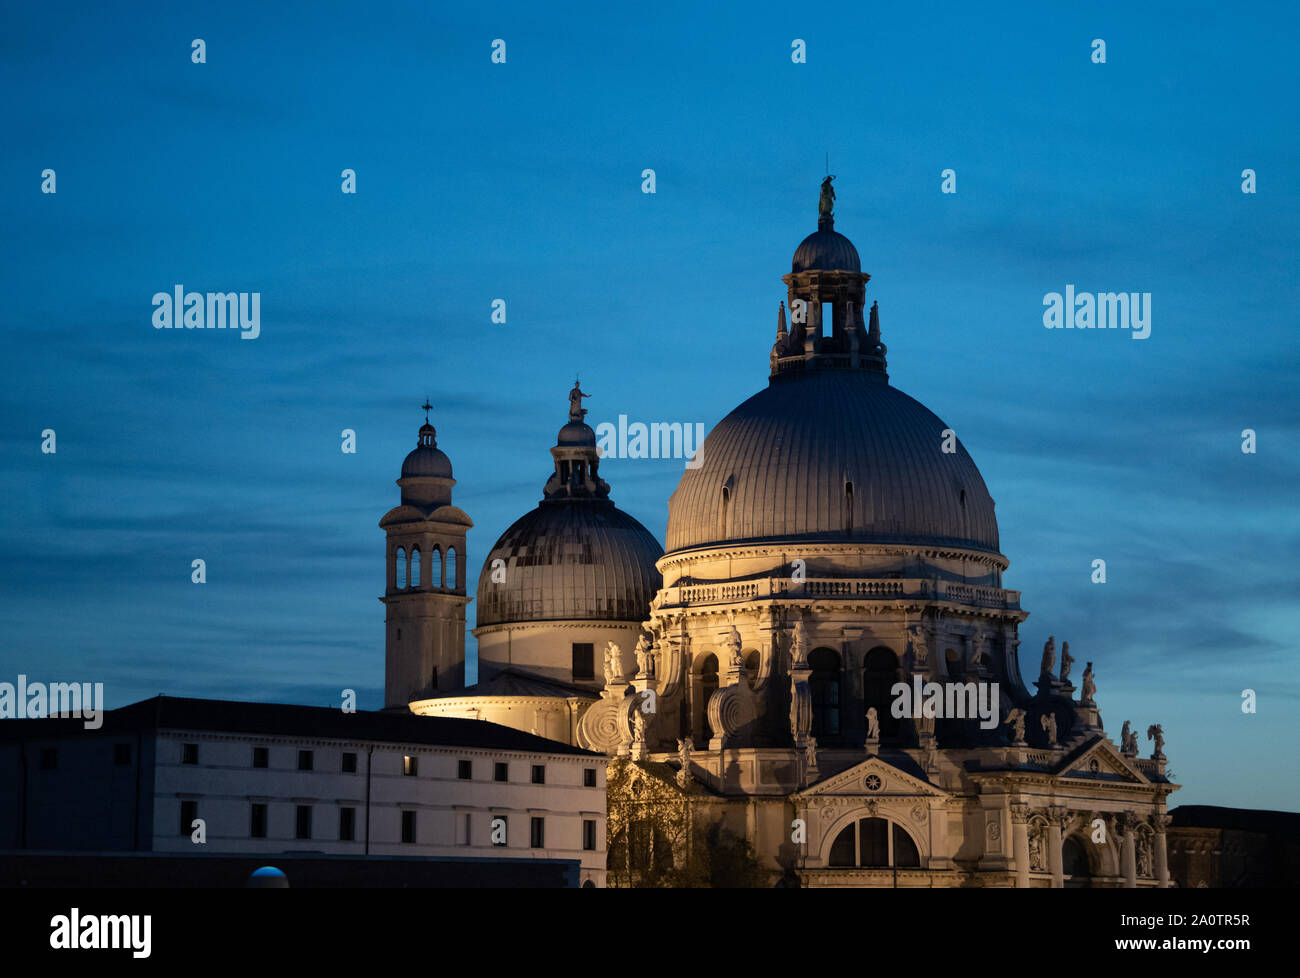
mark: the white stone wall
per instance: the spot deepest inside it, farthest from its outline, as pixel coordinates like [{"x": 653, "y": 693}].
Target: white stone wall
[{"x": 225, "y": 785}]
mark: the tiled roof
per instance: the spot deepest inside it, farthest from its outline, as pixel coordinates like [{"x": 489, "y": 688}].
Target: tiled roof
[{"x": 287, "y": 720}]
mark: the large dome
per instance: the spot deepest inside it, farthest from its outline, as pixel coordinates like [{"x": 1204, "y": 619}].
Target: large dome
[
  {"x": 778, "y": 469},
  {"x": 572, "y": 559}
]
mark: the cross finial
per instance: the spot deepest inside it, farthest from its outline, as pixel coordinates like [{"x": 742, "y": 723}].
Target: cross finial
[{"x": 427, "y": 408}]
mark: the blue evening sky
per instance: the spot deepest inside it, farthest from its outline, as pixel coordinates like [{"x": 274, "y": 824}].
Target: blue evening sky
[{"x": 522, "y": 181}]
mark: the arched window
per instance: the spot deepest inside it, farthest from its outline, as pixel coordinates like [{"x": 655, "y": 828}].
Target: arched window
[
  {"x": 751, "y": 667},
  {"x": 848, "y": 507},
  {"x": 953, "y": 661},
  {"x": 449, "y": 575},
  {"x": 874, "y": 843},
  {"x": 726, "y": 504},
  {"x": 879, "y": 673},
  {"x": 401, "y": 567},
  {"x": 825, "y": 683},
  {"x": 416, "y": 579},
  {"x": 708, "y": 685},
  {"x": 1074, "y": 863}
]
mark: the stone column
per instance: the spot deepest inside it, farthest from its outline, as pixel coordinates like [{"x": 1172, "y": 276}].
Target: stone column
[
  {"x": 1020, "y": 839},
  {"x": 1161, "y": 856},
  {"x": 1127, "y": 823},
  {"x": 1056, "y": 818}
]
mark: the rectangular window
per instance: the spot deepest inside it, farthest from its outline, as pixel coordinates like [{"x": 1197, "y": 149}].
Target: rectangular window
[
  {"x": 347, "y": 824},
  {"x": 189, "y": 812},
  {"x": 469, "y": 837},
  {"x": 589, "y": 777},
  {"x": 49, "y": 758},
  {"x": 539, "y": 774},
  {"x": 589, "y": 834},
  {"x": 257, "y": 822},
  {"x": 305, "y": 760},
  {"x": 538, "y": 832},
  {"x": 410, "y": 765},
  {"x": 349, "y": 762},
  {"x": 501, "y": 772},
  {"x": 584, "y": 660},
  {"x": 465, "y": 770},
  {"x": 121, "y": 754},
  {"x": 189, "y": 753},
  {"x": 302, "y": 828},
  {"x": 261, "y": 757},
  {"x": 408, "y": 826}
]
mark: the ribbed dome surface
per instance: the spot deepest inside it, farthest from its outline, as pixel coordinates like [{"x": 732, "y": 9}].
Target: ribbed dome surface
[
  {"x": 827, "y": 251},
  {"x": 427, "y": 461},
  {"x": 787, "y": 452},
  {"x": 576, "y": 433},
  {"x": 571, "y": 559}
]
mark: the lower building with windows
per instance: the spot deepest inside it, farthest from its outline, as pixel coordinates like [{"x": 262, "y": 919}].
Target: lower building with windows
[{"x": 170, "y": 775}]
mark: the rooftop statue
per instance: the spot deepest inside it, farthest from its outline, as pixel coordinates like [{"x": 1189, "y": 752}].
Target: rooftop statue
[
  {"x": 1089, "y": 686},
  {"x": 1067, "y": 660},
  {"x": 826, "y": 206},
  {"x": 1156, "y": 732},
  {"x": 1049, "y": 656},
  {"x": 576, "y": 411},
  {"x": 1048, "y": 720}
]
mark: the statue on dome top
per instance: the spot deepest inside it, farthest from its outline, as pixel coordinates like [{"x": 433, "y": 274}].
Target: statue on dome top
[
  {"x": 826, "y": 205},
  {"x": 576, "y": 411}
]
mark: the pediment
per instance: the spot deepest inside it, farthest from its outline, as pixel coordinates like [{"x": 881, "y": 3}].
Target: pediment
[
  {"x": 1101, "y": 762},
  {"x": 855, "y": 782}
]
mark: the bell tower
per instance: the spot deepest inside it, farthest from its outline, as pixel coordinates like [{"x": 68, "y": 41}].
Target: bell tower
[{"x": 424, "y": 596}]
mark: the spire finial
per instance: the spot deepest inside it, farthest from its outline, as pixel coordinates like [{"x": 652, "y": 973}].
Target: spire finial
[{"x": 427, "y": 408}]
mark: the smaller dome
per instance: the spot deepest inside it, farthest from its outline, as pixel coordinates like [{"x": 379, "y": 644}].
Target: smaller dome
[
  {"x": 426, "y": 459},
  {"x": 576, "y": 433},
  {"x": 826, "y": 250}
]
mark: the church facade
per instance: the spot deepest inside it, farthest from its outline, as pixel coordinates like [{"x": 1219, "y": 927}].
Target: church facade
[{"x": 824, "y": 662}]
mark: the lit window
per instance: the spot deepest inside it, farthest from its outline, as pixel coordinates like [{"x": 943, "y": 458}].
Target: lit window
[{"x": 410, "y": 765}]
